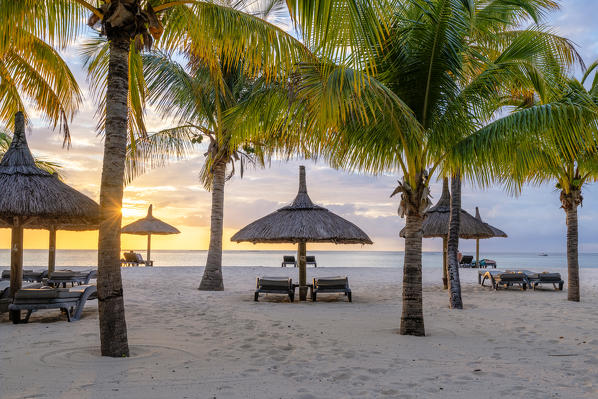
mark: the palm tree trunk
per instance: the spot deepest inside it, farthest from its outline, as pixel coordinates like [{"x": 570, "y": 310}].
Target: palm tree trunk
[
  {"x": 212, "y": 275},
  {"x": 412, "y": 318},
  {"x": 572, "y": 261},
  {"x": 455, "y": 301},
  {"x": 113, "y": 327}
]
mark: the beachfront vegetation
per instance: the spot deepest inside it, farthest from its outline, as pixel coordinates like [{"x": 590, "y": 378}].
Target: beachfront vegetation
[
  {"x": 542, "y": 158},
  {"x": 198, "y": 97},
  {"x": 32, "y": 71},
  {"x": 428, "y": 99}
]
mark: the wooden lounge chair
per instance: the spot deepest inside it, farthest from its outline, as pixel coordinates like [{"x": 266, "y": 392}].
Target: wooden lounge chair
[
  {"x": 274, "y": 285},
  {"x": 5, "y": 298},
  {"x": 535, "y": 279},
  {"x": 466, "y": 261},
  {"x": 63, "y": 277},
  {"x": 288, "y": 260},
  {"x": 28, "y": 275},
  {"x": 326, "y": 285},
  {"x": 505, "y": 279},
  {"x": 310, "y": 260},
  {"x": 70, "y": 300},
  {"x": 134, "y": 259}
]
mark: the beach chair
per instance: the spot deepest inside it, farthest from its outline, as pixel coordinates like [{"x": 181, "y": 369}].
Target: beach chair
[
  {"x": 28, "y": 275},
  {"x": 69, "y": 300},
  {"x": 466, "y": 261},
  {"x": 486, "y": 263},
  {"x": 535, "y": 279},
  {"x": 505, "y": 279},
  {"x": 144, "y": 262},
  {"x": 5, "y": 298},
  {"x": 274, "y": 285},
  {"x": 64, "y": 277},
  {"x": 288, "y": 260},
  {"x": 129, "y": 259},
  {"x": 327, "y": 285},
  {"x": 310, "y": 260}
]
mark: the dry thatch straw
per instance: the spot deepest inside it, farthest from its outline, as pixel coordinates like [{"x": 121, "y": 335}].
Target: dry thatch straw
[
  {"x": 436, "y": 222},
  {"x": 33, "y": 198},
  {"x": 36, "y": 195},
  {"x": 148, "y": 226},
  {"x": 302, "y": 221}
]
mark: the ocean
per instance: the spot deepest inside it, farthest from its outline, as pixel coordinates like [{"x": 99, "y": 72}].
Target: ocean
[{"x": 165, "y": 258}]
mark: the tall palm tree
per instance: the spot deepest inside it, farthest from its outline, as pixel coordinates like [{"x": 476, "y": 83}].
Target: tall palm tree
[
  {"x": 130, "y": 25},
  {"x": 412, "y": 96},
  {"x": 545, "y": 157},
  {"x": 198, "y": 97}
]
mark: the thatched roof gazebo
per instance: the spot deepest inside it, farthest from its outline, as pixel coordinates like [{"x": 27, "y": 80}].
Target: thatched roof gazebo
[
  {"x": 496, "y": 232},
  {"x": 301, "y": 222},
  {"x": 33, "y": 198},
  {"x": 436, "y": 224},
  {"x": 147, "y": 226}
]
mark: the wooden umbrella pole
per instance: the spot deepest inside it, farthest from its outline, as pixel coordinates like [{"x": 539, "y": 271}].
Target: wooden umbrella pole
[
  {"x": 477, "y": 252},
  {"x": 445, "y": 263},
  {"x": 52, "y": 251},
  {"x": 16, "y": 263},
  {"x": 149, "y": 247},
  {"x": 301, "y": 251}
]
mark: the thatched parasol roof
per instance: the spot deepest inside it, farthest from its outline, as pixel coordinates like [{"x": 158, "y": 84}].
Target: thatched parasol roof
[
  {"x": 497, "y": 232},
  {"x": 436, "y": 222},
  {"x": 36, "y": 195},
  {"x": 149, "y": 225},
  {"x": 302, "y": 221}
]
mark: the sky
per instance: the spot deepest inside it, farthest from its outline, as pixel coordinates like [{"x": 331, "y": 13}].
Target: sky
[{"x": 533, "y": 221}]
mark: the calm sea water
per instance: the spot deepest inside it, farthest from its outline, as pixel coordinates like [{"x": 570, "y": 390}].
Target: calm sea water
[{"x": 324, "y": 258}]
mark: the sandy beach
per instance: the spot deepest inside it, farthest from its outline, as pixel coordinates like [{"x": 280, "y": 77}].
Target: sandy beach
[{"x": 191, "y": 344}]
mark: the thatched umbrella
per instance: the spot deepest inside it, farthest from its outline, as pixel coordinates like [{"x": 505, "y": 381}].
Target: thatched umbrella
[
  {"x": 436, "y": 224},
  {"x": 147, "y": 226},
  {"x": 302, "y": 222},
  {"x": 33, "y": 198},
  {"x": 495, "y": 233}
]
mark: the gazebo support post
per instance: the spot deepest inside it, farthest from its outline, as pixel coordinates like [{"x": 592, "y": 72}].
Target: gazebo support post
[
  {"x": 52, "y": 251},
  {"x": 149, "y": 247},
  {"x": 445, "y": 263},
  {"x": 301, "y": 252},
  {"x": 477, "y": 253},
  {"x": 16, "y": 263}
]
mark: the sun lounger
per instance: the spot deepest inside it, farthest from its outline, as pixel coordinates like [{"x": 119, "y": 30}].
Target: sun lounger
[
  {"x": 70, "y": 300},
  {"x": 310, "y": 260},
  {"x": 325, "y": 285},
  {"x": 28, "y": 275},
  {"x": 485, "y": 263},
  {"x": 5, "y": 298},
  {"x": 68, "y": 276},
  {"x": 505, "y": 279},
  {"x": 275, "y": 285},
  {"x": 288, "y": 260},
  {"x": 535, "y": 279},
  {"x": 134, "y": 259},
  {"x": 466, "y": 261}
]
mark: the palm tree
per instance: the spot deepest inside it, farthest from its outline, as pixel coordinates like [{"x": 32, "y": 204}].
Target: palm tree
[
  {"x": 32, "y": 69},
  {"x": 198, "y": 97},
  {"x": 412, "y": 96},
  {"x": 546, "y": 158},
  {"x": 129, "y": 26}
]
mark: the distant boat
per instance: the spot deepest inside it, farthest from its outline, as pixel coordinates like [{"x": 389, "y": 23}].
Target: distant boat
[{"x": 542, "y": 254}]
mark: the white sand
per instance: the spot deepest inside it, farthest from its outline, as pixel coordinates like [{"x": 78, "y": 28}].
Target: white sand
[{"x": 191, "y": 344}]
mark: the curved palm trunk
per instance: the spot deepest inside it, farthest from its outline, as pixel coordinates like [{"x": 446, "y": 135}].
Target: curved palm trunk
[
  {"x": 572, "y": 261},
  {"x": 412, "y": 318},
  {"x": 455, "y": 301},
  {"x": 113, "y": 327},
  {"x": 212, "y": 275}
]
